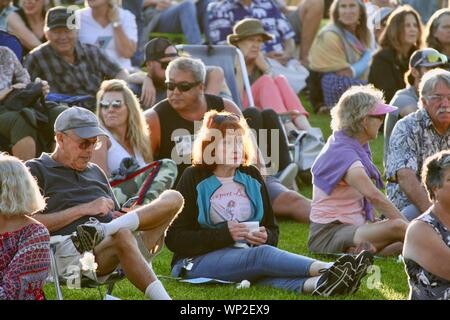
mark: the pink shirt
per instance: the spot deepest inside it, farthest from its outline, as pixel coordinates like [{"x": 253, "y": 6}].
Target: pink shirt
[{"x": 345, "y": 204}]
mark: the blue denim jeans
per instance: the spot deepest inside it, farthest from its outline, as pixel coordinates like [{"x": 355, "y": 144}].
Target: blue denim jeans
[
  {"x": 137, "y": 7},
  {"x": 178, "y": 19},
  {"x": 262, "y": 265}
]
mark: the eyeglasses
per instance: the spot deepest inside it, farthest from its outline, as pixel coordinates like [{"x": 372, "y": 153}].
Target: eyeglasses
[
  {"x": 380, "y": 117},
  {"x": 163, "y": 64},
  {"x": 438, "y": 97},
  {"x": 85, "y": 144},
  {"x": 182, "y": 86},
  {"x": 116, "y": 104},
  {"x": 219, "y": 118},
  {"x": 431, "y": 57}
]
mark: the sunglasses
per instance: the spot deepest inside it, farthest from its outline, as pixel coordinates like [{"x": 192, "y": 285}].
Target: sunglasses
[
  {"x": 432, "y": 57},
  {"x": 182, "y": 86},
  {"x": 222, "y": 117},
  {"x": 380, "y": 117},
  {"x": 85, "y": 144},
  {"x": 116, "y": 104}
]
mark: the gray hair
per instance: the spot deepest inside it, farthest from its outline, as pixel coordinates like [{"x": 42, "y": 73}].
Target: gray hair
[
  {"x": 430, "y": 80},
  {"x": 194, "y": 66},
  {"x": 19, "y": 191},
  {"x": 352, "y": 107},
  {"x": 433, "y": 171}
]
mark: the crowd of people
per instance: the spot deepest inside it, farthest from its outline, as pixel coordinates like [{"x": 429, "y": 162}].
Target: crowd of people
[{"x": 119, "y": 145}]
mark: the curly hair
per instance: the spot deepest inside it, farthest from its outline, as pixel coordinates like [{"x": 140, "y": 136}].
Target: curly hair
[
  {"x": 352, "y": 107},
  {"x": 19, "y": 191},
  {"x": 138, "y": 132}
]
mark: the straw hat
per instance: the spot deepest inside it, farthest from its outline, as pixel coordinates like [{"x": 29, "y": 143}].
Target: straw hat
[{"x": 247, "y": 28}]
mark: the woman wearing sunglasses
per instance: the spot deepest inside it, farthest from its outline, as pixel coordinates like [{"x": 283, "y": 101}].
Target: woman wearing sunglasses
[
  {"x": 227, "y": 230},
  {"x": 401, "y": 37},
  {"x": 344, "y": 196}
]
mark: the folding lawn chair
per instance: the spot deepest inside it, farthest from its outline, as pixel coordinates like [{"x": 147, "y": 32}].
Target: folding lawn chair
[
  {"x": 85, "y": 282},
  {"x": 12, "y": 42}
]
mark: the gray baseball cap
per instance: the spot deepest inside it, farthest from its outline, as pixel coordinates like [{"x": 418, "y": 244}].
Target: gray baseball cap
[{"x": 82, "y": 121}]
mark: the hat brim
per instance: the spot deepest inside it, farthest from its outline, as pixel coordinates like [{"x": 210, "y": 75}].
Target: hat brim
[
  {"x": 89, "y": 132},
  {"x": 233, "y": 39},
  {"x": 382, "y": 108},
  {"x": 58, "y": 25}
]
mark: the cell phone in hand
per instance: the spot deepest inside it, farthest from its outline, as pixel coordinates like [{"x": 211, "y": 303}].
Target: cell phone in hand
[{"x": 130, "y": 202}]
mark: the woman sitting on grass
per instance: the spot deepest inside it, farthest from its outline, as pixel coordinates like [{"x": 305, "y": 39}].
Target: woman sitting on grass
[
  {"x": 427, "y": 262},
  {"x": 343, "y": 191},
  {"x": 24, "y": 242},
  {"x": 211, "y": 237}
]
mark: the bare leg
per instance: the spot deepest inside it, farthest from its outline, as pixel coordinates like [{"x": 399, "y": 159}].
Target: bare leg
[
  {"x": 24, "y": 149},
  {"x": 215, "y": 81},
  {"x": 393, "y": 249},
  {"x": 292, "y": 205},
  {"x": 381, "y": 234},
  {"x": 122, "y": 248},
  {"x": 311, "y": 13}
]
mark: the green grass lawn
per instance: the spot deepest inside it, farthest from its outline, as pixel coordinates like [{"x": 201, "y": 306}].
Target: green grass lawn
[{"x": 388, "y": 281}]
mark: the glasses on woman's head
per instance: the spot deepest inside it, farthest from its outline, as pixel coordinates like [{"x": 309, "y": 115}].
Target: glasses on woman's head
[
  {"x": 182, "y": 86},
  {"x": 115, "y": 104},
  {"x": 219, "y": 118},
  {"x": 85, "y": 144}
]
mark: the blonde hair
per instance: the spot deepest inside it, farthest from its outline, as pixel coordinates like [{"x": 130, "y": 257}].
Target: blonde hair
[
  {"x": 110, "y": 2},
  {"x": 352, "y": 107},
  {"x": 138, "y": 132},
  {"x": 222, "y": 121},
  {"x": 19, "y": 191}
]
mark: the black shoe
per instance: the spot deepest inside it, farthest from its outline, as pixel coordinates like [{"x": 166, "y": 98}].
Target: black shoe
[
  {"x": 363, "y": 261},
  {"x": 338, "y": 279}
]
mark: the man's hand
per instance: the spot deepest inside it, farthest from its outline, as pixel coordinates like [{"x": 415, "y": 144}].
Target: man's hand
[
  {"x": 163, "y": 4},
  {"x": 281, "y": 57},
  {"x": 238, "y": 231},
  {"x": 257, "y": 238},
  {"x": 101, "y": 206},
  {"x": 148, "y": 95},
  {"x": 45, "y": 86}
]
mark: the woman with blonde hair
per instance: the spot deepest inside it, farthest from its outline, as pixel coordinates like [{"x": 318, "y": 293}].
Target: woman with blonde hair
[
  {"x": 346, "y": 182},
  {"x": 119, "y": 113},
  {"x": 105, "y": 24},
  {"x": 401, "y": 37},
  {"x": 437, "y": 31},
  {"x": 227, "y": 229},
  {"x": 27, "y": 23},
  {"x": 24, "y": 242},
  {"x": 341, "y": 51}
]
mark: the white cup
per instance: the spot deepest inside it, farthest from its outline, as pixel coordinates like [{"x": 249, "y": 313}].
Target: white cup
[{"x": 252, "y": 227}]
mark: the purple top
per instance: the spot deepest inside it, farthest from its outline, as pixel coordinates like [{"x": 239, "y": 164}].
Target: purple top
[{"x": 338, "y": 154}]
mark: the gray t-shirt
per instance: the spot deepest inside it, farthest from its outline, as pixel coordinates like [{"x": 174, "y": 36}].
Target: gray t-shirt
[
  {"x": 65, "y": 188},
  {"x": 403, "y": 98}
]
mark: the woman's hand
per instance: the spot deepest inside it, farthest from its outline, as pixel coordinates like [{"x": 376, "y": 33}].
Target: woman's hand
[
  {"x": 238, "y": 231},
  {"x": 257, "y": 238}
]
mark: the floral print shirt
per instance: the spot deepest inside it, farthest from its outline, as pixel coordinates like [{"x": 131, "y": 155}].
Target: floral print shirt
[
  {"x": 413, "y": 139},
  {"x": 423, "y": 284},
  {"x": 11, "y": 71}
]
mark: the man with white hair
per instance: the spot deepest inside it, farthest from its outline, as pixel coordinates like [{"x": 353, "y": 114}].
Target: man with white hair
[
  {"x": 82, "y": 208},
  {"x": 416, "y": 137}
]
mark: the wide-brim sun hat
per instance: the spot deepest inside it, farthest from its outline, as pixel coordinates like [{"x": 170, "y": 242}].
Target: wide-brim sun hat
[{"x": 246, "y": 28}]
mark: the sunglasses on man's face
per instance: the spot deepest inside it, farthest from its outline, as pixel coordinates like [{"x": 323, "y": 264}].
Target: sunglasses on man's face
[
  {"x": 116, "y": 104},
  {"x": 182, "y": 86},
  {"x": 85, "y": 144}
]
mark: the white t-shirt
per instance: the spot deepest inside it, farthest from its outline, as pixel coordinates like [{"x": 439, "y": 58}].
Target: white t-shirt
[
  {"x": 116, "y": 153},
  {"x": 230, "y": 202},
  {"x": 92, "y": 32}
]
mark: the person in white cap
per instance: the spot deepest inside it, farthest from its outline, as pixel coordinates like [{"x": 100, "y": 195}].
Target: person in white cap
[{"x": 82, "y": 208}]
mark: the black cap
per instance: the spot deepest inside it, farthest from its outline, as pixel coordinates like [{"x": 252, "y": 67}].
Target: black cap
[
  {"x": 155, "y": 49},
  {"x": 59, "y": 17},
  {"x": 427, "y": 57}
]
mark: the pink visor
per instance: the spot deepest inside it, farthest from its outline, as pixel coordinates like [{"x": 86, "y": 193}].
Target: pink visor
[{"x": 381, "y": 108}]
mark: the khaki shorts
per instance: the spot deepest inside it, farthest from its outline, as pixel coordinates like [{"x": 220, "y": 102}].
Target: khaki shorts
[
  {"x": 70, "y": 267},
  {"x": 334, "y": 237}
]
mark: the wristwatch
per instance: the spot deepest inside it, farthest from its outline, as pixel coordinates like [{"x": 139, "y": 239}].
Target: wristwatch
[{"x": 116, "y": 24}]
